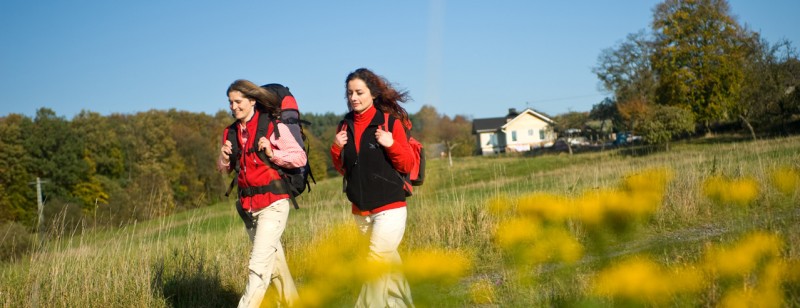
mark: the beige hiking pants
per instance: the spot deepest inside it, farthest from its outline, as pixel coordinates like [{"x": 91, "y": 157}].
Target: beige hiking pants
[
  {"x": 385, "y": 231},
  {"x": 267, "y": 260}
]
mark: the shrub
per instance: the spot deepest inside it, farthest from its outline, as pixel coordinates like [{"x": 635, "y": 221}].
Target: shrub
[{"x": 14, "y": 241}]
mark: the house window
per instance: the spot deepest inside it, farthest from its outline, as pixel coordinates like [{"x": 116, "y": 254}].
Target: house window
[
  {"x": 541, "y": 134},
  {"x": 530, "y": 132},
  {"x": 493, "y": 139},
  {"x": 514, "y": 136}
]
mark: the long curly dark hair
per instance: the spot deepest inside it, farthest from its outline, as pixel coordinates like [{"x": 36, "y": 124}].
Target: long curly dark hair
[
  {"x": 266, "y": 101},
  {"x": 387, "y": 98}
]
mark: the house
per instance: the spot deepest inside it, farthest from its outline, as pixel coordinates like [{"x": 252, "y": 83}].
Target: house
[{"x": 516, "y": 132}]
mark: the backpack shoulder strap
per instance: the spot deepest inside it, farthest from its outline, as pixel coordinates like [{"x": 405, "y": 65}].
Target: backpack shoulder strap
[
  {"x": 262, "y": 129},
  {"x": 233, "y": 137},
  {"x": 388, "y": 122}
]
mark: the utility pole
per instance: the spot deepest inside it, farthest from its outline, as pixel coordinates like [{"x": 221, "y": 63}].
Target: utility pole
[{"x": 39, "y": 201}]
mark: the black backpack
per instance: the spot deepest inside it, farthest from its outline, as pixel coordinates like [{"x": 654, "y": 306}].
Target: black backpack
[{"x": 295, "y": 180}]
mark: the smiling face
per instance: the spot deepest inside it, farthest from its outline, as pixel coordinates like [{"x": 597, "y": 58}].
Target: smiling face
[
  {"x": 359, "y": 98},
  {"x": 242, "y": 108}
]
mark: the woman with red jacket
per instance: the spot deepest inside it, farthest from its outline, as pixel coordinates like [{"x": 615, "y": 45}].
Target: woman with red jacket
[
  {"x": 371, "y": 153},
  {"x": 261, "y": 194}
]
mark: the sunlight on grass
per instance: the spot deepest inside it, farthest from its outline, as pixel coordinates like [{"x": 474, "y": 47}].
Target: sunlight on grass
[{"x": 596, "y": 230}]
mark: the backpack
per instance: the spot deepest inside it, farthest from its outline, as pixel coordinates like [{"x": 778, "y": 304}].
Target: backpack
[
  {"x": 417, "y": 175},
  {"x": 294, "y": 179}
]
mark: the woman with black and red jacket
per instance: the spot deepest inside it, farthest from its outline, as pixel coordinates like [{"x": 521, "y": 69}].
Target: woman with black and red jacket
[
  {"x": 261, "y": 193},
  {"x": 371, "y": 152}
]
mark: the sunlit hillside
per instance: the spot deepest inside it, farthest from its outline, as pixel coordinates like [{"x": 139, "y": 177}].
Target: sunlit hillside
[{"x": 712, "y": 222}]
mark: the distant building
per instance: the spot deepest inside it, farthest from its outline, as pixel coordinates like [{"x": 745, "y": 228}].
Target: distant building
[{"x": 516, "y": 132}]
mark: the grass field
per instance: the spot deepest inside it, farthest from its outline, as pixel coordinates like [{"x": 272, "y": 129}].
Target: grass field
[{"x": 713, "y": 222}]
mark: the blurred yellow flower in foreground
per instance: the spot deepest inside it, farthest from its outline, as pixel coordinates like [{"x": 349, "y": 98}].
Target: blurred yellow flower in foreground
[
  {"x": 336, "y": 259},
  {"x": 642, "y": 280},
  {"x": 436, "y": 265},
  {"x": 786, "y": 180},
  {"x": 648, "y": 181},
  {"x": 739, "y": 191},
  {"x": 500, "y": 206},
  {"x": 532, "y": 243},
  {"x": 743, "y": 257},
  {"x": 548, "y": 207}
]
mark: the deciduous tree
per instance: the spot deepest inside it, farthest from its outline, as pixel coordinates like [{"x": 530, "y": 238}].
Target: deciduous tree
[{"x": 698, "y": 57}]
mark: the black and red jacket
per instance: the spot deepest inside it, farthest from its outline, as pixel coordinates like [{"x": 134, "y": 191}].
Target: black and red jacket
[
  {"x": 255, "y": 174},
  {"x": 373, "y": 183}
]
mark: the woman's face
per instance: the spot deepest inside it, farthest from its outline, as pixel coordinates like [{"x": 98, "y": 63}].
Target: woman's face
[
  {"x": 242, "y": 108},
  {"x": 359, "y": 98}
]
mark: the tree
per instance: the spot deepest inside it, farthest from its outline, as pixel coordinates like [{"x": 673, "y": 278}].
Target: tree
[
  {"x": 57, "y": 153},
  {"x": 426, "y": 124},
  {"x": 663, "y": 123},
  {"x": 626, "y": 70},
  {"x": 633, "y": 112},
  {"x": 17, "y": 200},
  {"x": 607, "y": 113},
  {"x": 456, "y": 136},
  {"x": 698, "y": 57}
]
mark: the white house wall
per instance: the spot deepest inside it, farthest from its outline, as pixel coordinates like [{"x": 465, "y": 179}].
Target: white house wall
[
  {"x": 489, "y": 145},
  {"x": 527, "y": 128}
]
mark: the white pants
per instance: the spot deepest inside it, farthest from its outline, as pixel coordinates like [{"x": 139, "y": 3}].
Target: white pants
[
  {"x": 267, "y": 260},
  {"x": 385, "y": 231}
]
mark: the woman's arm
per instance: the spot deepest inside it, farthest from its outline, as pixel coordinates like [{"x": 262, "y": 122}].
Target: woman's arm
[
  {"x": 223, "y": 162},
  {"x": 400, "y": 153},
  {"x": 286, "y": 152}
]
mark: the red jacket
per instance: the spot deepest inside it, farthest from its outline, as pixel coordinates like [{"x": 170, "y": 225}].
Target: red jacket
[{"x": 255, "y": 173}]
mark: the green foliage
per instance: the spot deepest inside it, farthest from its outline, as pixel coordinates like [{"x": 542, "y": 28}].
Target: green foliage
[
  {"x": 665, "y": 123},
  {"x": 607, "y": 114},
  {"x": 698, "y": 57},
  {"x": 626, "y": 70},
  {"x": 56, "y": 152},
  {"x": 772, "y": 73},
  {"x": 318, "y": 157},
  {"x": 14, "y": 240},
  {"x": 17, "y": 201}
]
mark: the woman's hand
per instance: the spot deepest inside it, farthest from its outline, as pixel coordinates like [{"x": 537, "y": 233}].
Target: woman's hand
[
  {"x": 225, "y": 152},
  {"x": 263, "y": 145},
  {"x": 384, "y": 138},
  {"x": 341, "y": 139}
]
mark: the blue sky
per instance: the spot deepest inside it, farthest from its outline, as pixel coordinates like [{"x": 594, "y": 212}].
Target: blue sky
[{"x": 473, "y": 58}]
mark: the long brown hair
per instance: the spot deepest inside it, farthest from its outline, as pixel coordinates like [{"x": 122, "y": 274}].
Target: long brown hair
[
  {"x": 387, "y": 99},
  {"x": 266, "y": 101}
]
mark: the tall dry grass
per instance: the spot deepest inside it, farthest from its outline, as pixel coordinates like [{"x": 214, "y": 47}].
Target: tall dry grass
[{"x": 459, "y": 249}]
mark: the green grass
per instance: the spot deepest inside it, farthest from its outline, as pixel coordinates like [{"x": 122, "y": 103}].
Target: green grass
[{"x": 198, "y": 258}]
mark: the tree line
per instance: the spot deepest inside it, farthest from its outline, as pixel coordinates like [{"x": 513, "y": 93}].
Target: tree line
[
  {"x": 695, "y": 70},
  {"x": 111, "y": 170}
]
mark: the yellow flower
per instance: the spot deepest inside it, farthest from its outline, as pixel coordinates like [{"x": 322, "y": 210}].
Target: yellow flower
[
  {"x": 649, "y": 180},
  {"x": 555, "y": 244},
  {"x": 746, "y": 298},
  {"x": 532, "y": 243},
  {"x": 741, "y": 191},
  {"x": 786, "y": 180},
  {"x": 642, "y": 280},
  {"x": 743, "y": 257},
  {"x": 589, "y": 210},
  {"x": 500, "y": 206},
  {"x": 545, "y": 206},
  {"x": 515, "y": 232},
  {"x": 436, "y": 265}
]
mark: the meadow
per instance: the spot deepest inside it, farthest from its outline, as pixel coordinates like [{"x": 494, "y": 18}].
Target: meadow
[{"x": 712, "y": 222}]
